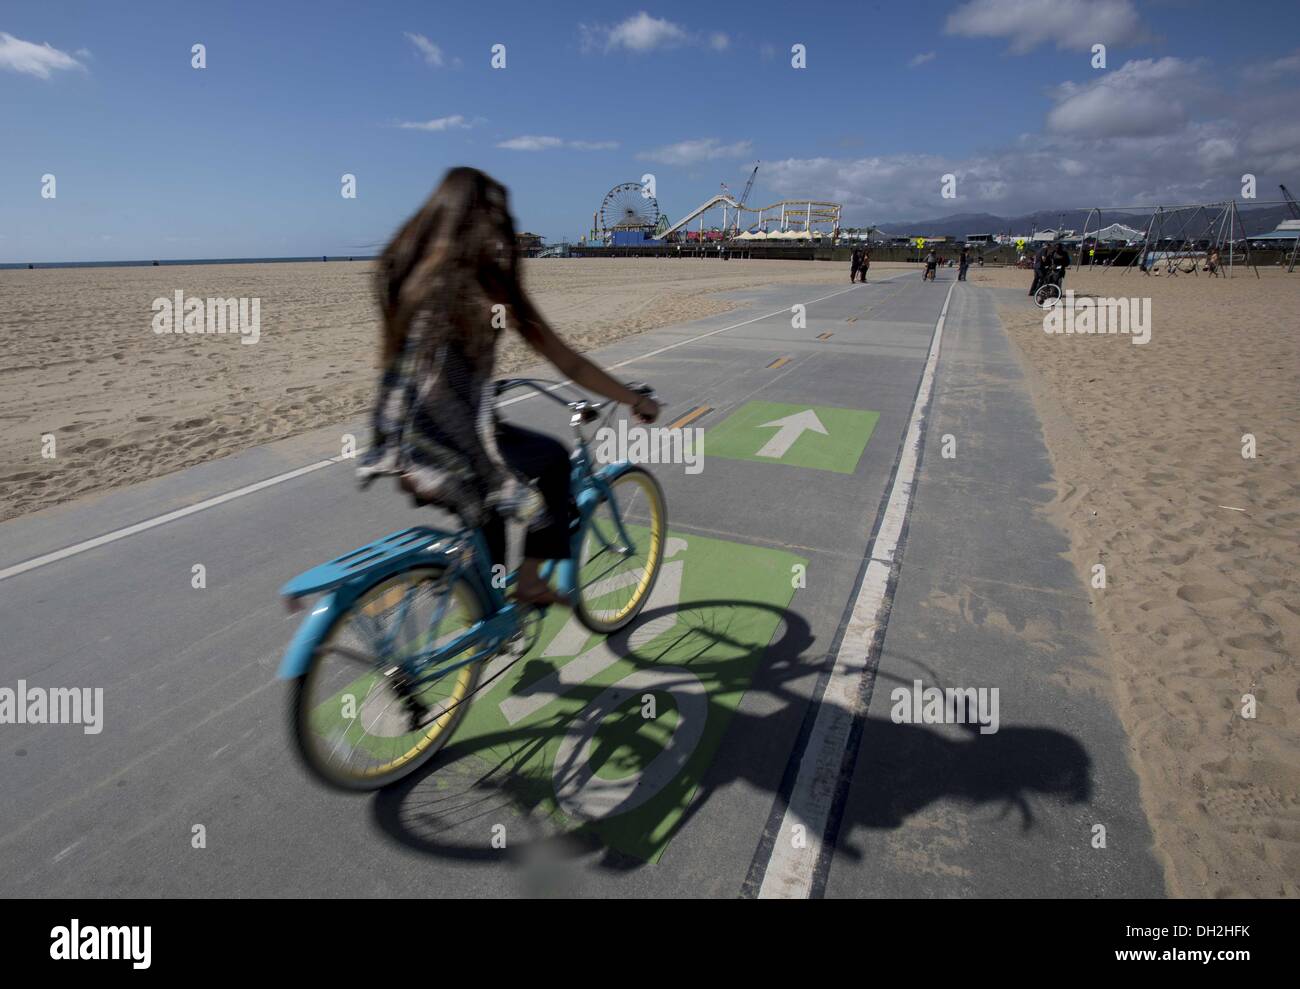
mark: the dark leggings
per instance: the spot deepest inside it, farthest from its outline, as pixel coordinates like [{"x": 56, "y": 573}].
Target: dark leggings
[{"x": 545, "y": 462}]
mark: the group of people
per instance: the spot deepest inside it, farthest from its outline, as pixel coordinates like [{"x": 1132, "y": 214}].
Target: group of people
[
  {"x": 1050, "y": 262},
  {"x": 933, "y": 262},
  {"x": 859, "y": 263}
]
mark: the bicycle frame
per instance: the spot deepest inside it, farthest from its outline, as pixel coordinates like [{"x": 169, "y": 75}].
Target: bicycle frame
[{"x": 461, "y": 555}]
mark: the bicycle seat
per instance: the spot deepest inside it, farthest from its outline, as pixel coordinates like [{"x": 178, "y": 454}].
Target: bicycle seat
[{"x": 391, "y": 549}]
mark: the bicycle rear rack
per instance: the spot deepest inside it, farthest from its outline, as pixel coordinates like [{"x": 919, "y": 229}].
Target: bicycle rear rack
[{"x": 390, "y": 552}]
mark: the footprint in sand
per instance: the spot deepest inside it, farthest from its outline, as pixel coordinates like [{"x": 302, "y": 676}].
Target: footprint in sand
[
  {"x": 1255, "y": 641},
  {"x": 1196, "y": 594}
]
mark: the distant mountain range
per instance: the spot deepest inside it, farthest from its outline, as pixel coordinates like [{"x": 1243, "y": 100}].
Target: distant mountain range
[{"x": 1255, "y": 221}]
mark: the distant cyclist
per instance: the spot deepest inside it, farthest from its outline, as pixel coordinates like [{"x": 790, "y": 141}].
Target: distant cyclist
[
  {"x": 446, "y": 283},
  {"x": 931, "y": 265}
]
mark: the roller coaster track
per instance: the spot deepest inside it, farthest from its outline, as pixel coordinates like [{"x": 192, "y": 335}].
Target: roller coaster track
[
  {"x": 799, "y": 209},
  {"x": 719, "y": 200}
]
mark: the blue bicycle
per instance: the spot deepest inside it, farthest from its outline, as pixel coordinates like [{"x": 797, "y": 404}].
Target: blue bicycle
[{"x": 386, "y": 663}]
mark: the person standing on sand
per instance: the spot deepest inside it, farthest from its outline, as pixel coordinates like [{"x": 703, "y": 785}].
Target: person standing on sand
[
  {"x": 435, "y": 427},
  {"x": 866, "y": 263},
  {"x": 855, "y": 262}
]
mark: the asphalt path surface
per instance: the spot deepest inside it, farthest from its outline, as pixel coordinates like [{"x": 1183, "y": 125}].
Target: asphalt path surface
[{"x": 791, "y": 771}]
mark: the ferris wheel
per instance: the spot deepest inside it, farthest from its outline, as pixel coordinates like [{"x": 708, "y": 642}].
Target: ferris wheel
[{"x": 628, "y": 207}]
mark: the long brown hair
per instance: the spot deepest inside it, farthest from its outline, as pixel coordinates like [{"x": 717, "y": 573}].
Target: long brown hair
[{"x": 456, "y": 258}]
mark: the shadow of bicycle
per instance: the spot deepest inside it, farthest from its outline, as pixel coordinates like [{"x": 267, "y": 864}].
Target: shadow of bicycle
[{"x": 484, "y": 800}]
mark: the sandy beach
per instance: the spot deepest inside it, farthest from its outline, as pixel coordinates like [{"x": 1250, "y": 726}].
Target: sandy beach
[
  {"x": 82, "y": 363},
  {"x": 1201, "y": 548}
]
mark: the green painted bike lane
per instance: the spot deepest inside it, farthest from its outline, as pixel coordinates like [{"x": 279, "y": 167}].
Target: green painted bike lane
[
  {"x": 818, "y": 436},
  {"x": 612, "y": 735}
]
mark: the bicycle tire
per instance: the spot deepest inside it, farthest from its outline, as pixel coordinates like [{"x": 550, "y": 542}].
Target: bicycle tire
[
  {"x": 310, "y": 728},
  {"x": 595, "y": 574}
]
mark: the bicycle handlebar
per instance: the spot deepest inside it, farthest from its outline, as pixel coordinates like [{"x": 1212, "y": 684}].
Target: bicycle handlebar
[{"x": 585, "y": 407}]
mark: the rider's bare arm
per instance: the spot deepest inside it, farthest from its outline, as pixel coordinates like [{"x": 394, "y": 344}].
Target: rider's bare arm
[{"x": 578, "y": 369}]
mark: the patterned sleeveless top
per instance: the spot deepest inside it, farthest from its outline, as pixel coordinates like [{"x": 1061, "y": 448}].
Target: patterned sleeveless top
[{"x": 434, "y": 426}]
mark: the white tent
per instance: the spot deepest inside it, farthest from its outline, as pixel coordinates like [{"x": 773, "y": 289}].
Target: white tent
[{"x": 1118, "y": 231}]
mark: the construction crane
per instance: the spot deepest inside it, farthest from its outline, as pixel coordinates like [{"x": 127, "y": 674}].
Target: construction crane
[
  {"x": 1290, "y": 201},
  {"x": 744, "y": 196},
  {"x": 739, "y": 203}
]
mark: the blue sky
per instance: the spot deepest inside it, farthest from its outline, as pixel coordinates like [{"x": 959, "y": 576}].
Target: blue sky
[{"x": 154, "y": 158}]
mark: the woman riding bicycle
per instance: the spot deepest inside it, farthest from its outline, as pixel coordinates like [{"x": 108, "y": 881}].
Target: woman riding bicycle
[{"x": 446, "y": 283}]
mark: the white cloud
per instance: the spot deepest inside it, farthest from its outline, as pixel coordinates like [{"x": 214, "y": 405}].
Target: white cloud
[
  {"x": 31, "y": 59},
  {"x": 1198, "y": 161},
  {"x": 642, "y": 33},
  {"x": 692, "y": 152},
  {"x": 1275, "y": 68},
  {"x": 545, "y": 143},
  {"x": 531, "y": 143},
  {"x": 1074, "y": 24},
  {"x": 639, "y": 33},
  {"x": 456, "y": 121},
  {"x": 1273, "y": 138},
  {"x": 430, "y": 52},
  {"x": 920, "y": 59},
  {"x": 1148, "y": 96}
]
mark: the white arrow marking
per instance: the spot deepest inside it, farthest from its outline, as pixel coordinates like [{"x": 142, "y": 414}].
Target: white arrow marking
[{"x": 789, "y": 429}]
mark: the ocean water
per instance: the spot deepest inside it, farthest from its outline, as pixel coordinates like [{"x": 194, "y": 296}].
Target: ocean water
[{"x": 171, "y": 262}]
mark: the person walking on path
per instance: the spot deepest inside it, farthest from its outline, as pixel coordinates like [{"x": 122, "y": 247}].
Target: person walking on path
[
  {"x": 963, "y": 265},
  {"x": 855, "y": 262},
  {"x": 866, "y": 263}
]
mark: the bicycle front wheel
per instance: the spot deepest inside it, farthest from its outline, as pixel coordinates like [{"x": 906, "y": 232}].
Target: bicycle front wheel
[
  {"x": 361, "y": 720},
  {"x": 1048, "y": 295},
  {"x": 622, "y": 549}
]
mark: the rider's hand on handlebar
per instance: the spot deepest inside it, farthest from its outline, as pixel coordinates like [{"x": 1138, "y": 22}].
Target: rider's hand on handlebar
[{"x": 646, "y": 409}]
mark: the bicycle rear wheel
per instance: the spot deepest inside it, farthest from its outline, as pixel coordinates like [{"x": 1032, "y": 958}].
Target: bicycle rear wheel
[
  {"x": 359, "y": 720},
  {"x": 1047, "y": 296},
  {"x": 616, "y": 576}
]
